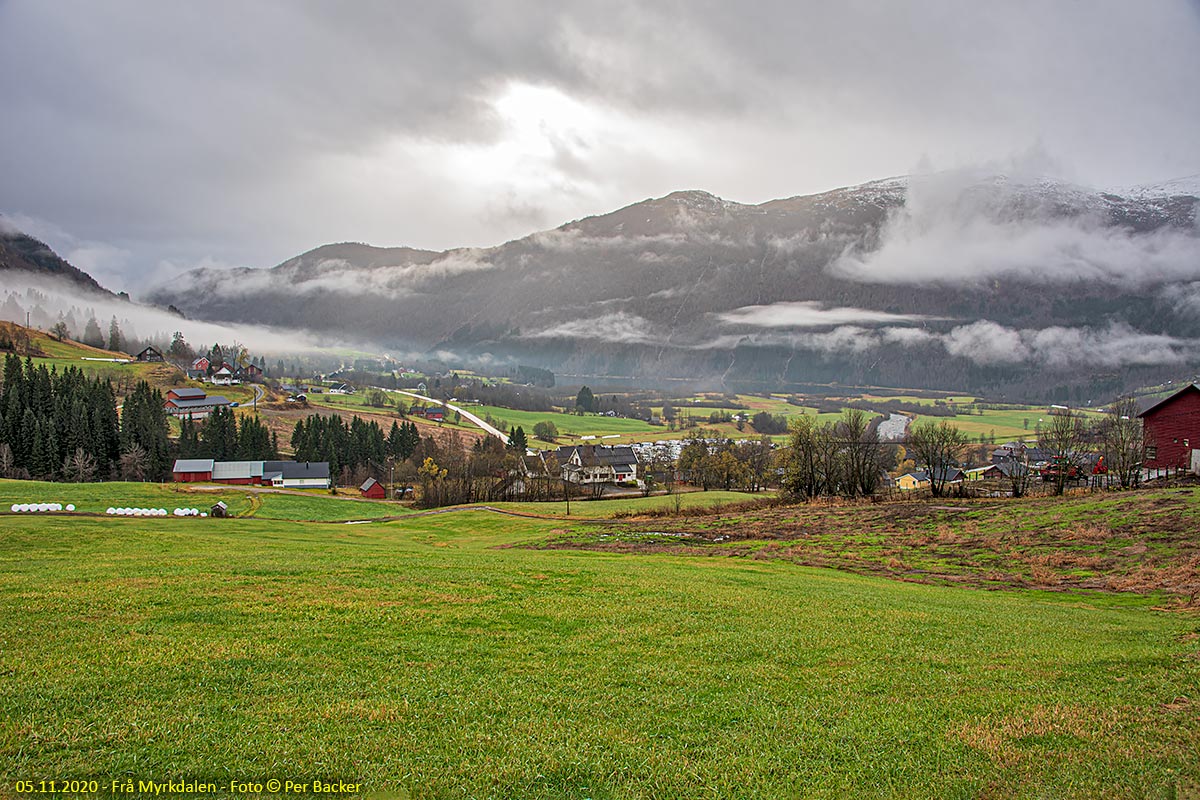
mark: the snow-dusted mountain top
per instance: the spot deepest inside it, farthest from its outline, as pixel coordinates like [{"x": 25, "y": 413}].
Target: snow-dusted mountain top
[{"x": 1188, "y": 186}]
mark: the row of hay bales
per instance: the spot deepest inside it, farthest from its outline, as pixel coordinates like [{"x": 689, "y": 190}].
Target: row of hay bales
[
  {"x": 34, "y": 508},
  {"x": 154, "y": 512}
]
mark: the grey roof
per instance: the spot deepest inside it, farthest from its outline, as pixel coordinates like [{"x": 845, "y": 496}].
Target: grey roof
[
  {"x": 187, "y": 393},
  {"x": 599, "y": 455},
  {"x": 193, "y": 465},
  {"x": 229, "y": 470},
  {"x": 367, "y": 484},
  {"x": 296, "y": 470},
  {"x": 950, "y": 474},
  {"x": 210, "y": 401},
  {"x": 1010, "y": 468}
]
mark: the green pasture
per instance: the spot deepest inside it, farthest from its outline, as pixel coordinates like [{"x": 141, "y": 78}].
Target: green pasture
[
  {"x": 607, "y": 507},
  {"x": 440, "y": 656},
  {"x": 95, "y": 498},
  {"x": 572, "y": 426}
]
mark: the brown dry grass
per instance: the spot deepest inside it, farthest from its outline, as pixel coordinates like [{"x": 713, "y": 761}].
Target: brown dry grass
[
  {"x": 998, "y": 735},
  {"x": 1141, "y": 541}
]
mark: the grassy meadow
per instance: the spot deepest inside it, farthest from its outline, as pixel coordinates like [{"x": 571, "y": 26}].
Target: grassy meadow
[
  {"x": 95, "y": 498},
  {"x": 455, "y": 655}
]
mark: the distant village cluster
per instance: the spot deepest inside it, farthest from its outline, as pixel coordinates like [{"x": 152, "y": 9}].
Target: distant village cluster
[{"x": 68, "y": 425}]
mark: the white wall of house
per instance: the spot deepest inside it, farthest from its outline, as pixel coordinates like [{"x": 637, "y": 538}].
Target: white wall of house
[{"x": 306, "y": 483}]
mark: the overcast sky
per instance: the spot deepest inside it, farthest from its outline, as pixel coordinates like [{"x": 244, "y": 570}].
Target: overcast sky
[{"x": 141, "y": 138}]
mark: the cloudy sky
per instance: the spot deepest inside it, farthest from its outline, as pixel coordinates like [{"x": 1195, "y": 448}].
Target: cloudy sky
[{"x": 142, "y": 138}]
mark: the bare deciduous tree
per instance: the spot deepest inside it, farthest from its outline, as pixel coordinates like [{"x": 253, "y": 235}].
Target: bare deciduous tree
[
  {"x": 134, "y": 462},
  {"x": 1124, "y": 443},
  {"x": 1063, "y": 438},
  {"x": 936, "y": 446},
  {"x": 79, "y": 467},
  {"x": 6, "y": 460}
]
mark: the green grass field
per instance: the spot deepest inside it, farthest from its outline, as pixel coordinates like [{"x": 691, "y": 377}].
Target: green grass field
[
  {"x": 608, "y": 507},
  {"x": 95, "y": 498},
  {"x": 438, "y": 657}
]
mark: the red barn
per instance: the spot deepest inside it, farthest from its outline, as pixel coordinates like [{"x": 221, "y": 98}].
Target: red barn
[
  {"x": 193, "y": 470},
  {"x": 372, "y": 489},
  {"x": 1172, "y": 430}
]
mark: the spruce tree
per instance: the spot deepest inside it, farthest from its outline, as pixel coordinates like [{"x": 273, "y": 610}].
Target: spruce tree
[{"x": 114, "y": 336}]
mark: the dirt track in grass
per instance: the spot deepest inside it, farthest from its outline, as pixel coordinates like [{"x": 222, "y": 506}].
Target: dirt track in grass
[{"x": 1141, "y": 542}]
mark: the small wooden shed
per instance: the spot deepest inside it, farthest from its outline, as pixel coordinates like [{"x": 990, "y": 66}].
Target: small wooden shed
[{"x": 372, "y": 489}]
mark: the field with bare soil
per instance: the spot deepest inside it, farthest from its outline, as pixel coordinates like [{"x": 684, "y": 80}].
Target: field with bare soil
[{"x": 1143, "y": 542}]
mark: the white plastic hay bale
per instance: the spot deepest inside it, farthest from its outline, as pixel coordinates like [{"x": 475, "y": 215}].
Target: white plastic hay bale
[
  {"x": 14, "y": 508},
  {"x": 70, "y": 506},
  {"x": 204, "y": 513},
  {"x": 162, "y": 512},
  {"x": 110, "y": 510}
]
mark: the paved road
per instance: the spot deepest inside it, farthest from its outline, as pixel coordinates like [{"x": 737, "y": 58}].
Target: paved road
[{"x": 467, "y": 415}]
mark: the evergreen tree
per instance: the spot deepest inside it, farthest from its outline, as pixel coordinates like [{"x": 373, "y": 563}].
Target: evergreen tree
[
  {"x": 220, "y": 435},
  {"x": 144, "y": 422},
  {"x": 91, "y": 333},
  {"x": 189, "y": 439},
  {"x": 517, "y": 442},
  {"x": 254, "y": 439},
  {"x": 114, "y": 336},
  {"x": 585, "y": 400}
]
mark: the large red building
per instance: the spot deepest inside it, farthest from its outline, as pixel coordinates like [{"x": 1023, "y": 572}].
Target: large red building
[{"x": 1172, "y": 430}]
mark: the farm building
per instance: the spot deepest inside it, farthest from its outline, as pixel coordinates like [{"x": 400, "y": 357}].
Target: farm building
[
  {"x": 1171, "y": 428},
  {"x": 200, "y": 365},
  {"x": 149, "y": 355},
  {"x": 242, "y": 473},
  {"x": 431, "y": 413},
  {"x": 194, "y": 403},
  {"x": 297, "y": 474},
  {"x": 373, "y": 489},
  {"x": 912, "y": 480},
  {"x": 984, "y": 473},
  {"x": 283, "y": 474},
  {"x": 192, "y": 470}
]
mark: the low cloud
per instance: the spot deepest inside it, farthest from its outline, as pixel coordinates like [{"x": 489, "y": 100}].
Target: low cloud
[
  {"x": 620, "y": 327},
  {"x": 338, "y": 276},
  {"x": 988, "y": 343},
  {"x": 985, "y": 342},
  {"x": 972, "y": 227},
  {"x": 47, "y": 298},
  {"x": 810, "y": 314}
]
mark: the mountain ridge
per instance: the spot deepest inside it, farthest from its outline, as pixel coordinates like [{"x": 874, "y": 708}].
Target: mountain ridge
[{"x": 858, "y": 279}]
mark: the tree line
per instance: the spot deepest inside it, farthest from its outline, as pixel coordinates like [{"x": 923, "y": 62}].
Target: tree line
[{"x": 65, "y": 426}]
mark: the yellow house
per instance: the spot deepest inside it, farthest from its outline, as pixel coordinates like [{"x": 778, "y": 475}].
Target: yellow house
[{"x": 912, "y": 480}]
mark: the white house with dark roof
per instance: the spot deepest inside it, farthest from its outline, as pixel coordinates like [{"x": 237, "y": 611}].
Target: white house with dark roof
[{"x": 592, "y": 463}]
